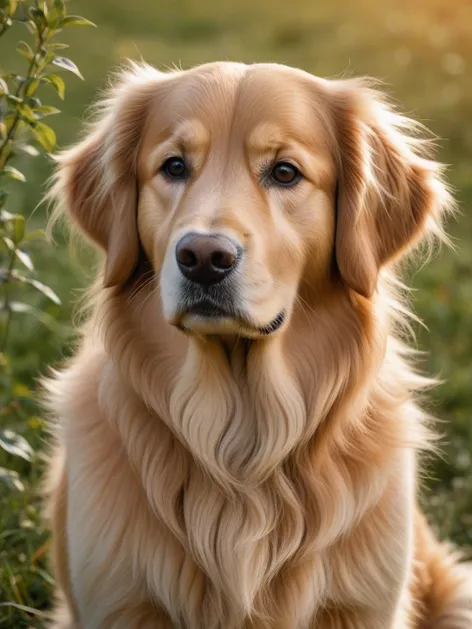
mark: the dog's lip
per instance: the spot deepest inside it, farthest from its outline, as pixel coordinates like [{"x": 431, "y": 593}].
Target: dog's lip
[
  {"x": 206, "y": 308},
  {"x": 274, "y": 325}
]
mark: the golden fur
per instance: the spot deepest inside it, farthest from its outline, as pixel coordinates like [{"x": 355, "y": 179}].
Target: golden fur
[{"x": 208, "y": 475}]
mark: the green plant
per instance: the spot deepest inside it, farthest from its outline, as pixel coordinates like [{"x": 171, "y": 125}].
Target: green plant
[{"x": 23, "y": 133}]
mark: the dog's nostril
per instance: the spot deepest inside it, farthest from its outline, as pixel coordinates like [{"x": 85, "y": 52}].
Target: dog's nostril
[
  {"x": 206, "y": 258},
  {"x": 223, "y": 259},
  {"x": 187, "y": 257}
]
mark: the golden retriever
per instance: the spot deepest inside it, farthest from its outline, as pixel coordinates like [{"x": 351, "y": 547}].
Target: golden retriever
[{"x": 238, "y": 433}]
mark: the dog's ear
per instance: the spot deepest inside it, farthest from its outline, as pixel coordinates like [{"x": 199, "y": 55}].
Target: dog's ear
[
  {"x": 388, "y": 193},
  {"x": 95, "y": 181}
]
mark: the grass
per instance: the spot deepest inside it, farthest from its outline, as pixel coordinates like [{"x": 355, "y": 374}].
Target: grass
[{"x": 422, "y": 50}]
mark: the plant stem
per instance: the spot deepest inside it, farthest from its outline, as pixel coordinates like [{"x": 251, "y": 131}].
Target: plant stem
[
  {"x": 31, "y": 74},
  {"x": 6, "y": 302}
]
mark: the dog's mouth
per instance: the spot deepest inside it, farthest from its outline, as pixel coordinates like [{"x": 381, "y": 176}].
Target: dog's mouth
[
  {"x": 208, "y": 316},
  {"x": 208, "y": 309}
]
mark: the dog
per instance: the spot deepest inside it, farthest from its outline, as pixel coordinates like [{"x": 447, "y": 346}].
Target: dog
[{"x": 238, "y": 435}]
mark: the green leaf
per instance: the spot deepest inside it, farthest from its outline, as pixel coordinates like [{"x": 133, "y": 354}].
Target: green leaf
[
  {"x": 43, "y": 317},
  {"x": 27, "y": 113},
  {"x": 18, "y": 229},
  {"x": 39, "y": 18},
  {"x": 56, "y": 13},
  {"x": 77, "y": 20},
  {"x": 8, "y": 241},
  {"x": 5, "y": 21},
  {"x": 11, "y": 479},
  {"x": 37, "y": 234},
  {"x": 12, "y": 7},
  {"x": 31, "y": 26},
  {"x": 46, "y": 110},
  {"x": 57, "y": 82},
  {"x": 13, "y": 173},
  {"x": 11, "y": 98},
  {"x": 21, "y": 255},
  {"x": 7, "y": 217},
  {"x": 57, "y": 46},
  {"x": 32, "y": 87},
  {"x": 25, "y": 50},
  {"x": 42, "y": 288},
  {"x": 33, "y": 102},
  {"x": 67, "y": 64},
  {"x": 20, "y": 390},
  {"x": 45, "y": 136},
  {"x": 25, "y": 259},
  {"x": 45, "y": 290},
  {"x": 15, "y": 444}
]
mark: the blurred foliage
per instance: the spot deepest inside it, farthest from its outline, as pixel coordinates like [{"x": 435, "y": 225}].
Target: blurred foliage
[
  {"x": 422, "y": 50},
  {"x": 22, "y": 133}
]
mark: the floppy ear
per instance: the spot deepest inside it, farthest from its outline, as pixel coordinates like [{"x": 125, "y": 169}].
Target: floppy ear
[
  {"x": 95, "y": 181},
  {"x": 389, "y": 194}
]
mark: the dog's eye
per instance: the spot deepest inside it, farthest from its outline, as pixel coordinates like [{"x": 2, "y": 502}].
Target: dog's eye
[
  {"x": 175, "y": 168},
  {"x": 285, "y": 174}
]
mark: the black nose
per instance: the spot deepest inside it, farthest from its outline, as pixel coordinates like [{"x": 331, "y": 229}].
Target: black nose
[{"x": 206, "y": 259}]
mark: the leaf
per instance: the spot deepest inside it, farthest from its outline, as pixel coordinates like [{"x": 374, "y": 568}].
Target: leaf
[
  {"x": 11, "y": 479},
  {"x": 43, "y": 317},
  {"x": 20, "y": 390},
  {"x": 30, "y": 150},
  {"x": 12, "y": 7},
  {"x": 46, "y": 110},
  {"x": 6, "y": 217},
  {"x": 57, "y": 46},
  {"x": 5, "y": 21},
  {"x": 76, "y": 20},
  {"x": 27, "y": 113},
  {"x": 31, "y": 26},
  {"x": 25, "y": 51},
  {"x": 15, "y": 444},
  {"x": 57, "y": 82},
  {"x": 45, "y": 136},
  {"x": 18, "y": 229},
  {"x": 39, "y": 18},
  {"x": 21, "y": 255},
  {"x": 11, "y": 98},
  {"x": 56, "y": 13},
  {"x": 48, "y": 292},
  {"x": 25, "y": 259},
  {"x": 32, "y": 87},
  {"x": 33, "y": 102},
  {"x": 13, "y": 173},
  {"x": 37, "y": 234},
  {"x": 67, "y": 64}
]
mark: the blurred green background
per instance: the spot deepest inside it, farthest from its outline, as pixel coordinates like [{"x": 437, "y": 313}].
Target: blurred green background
[{"x": 421, "y": 49}]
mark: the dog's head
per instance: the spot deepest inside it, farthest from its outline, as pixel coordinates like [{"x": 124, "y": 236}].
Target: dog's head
[{"x": 248, "y": 188}]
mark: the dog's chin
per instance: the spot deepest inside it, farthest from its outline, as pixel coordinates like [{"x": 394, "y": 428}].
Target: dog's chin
[{"x": 207, "y": 325}]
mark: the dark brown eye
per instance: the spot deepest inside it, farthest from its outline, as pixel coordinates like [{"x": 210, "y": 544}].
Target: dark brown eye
[
  {"x": 175, "y": 168},
  {"x": 285, "y": 174}
]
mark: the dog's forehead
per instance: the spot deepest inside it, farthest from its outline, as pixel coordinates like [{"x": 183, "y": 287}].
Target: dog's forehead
[{"x": 230, "y": 98}]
